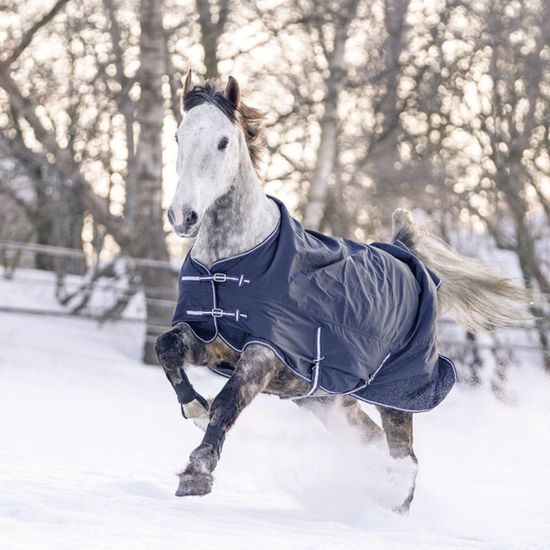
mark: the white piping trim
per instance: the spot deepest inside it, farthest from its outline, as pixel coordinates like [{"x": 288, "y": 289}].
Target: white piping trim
[
  {"x": 263, "y": 343},
  {"x": 450, "y": 363},
  {"x": 234, "y": 348},
  {"x": 265, "y": 241},
  {"x": 314, "y": 386},
  {"x": 408, "y": 410},
  {"x": 267, "y": 345},
  {"x": 365, "y": 384},
  {"x": 373, "y": 375},
  {"x": 315, "y": 383},
  {"x": 277, "y": 353},
  {"x": 316, "y": 367},
  {"x": 201, "y": 264},
  {"x": 385, "y": 406},
  {"x": 217, "y": 333},
  {"x": 351, "y": 392}
]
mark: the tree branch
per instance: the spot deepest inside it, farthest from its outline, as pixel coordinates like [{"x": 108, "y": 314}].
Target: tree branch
[
  {"x": 64, "y": 161},
  {"x": 29, "y": 35}
]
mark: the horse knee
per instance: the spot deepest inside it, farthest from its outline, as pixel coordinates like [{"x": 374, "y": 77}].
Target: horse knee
[{"x": 170, "y": 350}]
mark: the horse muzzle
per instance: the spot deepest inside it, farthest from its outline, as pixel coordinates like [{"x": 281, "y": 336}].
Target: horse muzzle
[{"x": 186, "y": 224}]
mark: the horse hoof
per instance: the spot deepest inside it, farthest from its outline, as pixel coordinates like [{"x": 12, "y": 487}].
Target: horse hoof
[{"x": 194, "y": 484}]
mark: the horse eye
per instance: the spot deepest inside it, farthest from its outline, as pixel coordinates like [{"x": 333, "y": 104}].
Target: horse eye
[
  {"x": 222, "y": 143},
  {"x": 176, "y": 136}
]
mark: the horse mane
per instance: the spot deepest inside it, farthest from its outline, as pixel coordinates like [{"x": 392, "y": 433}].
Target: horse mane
[{"x": 249, "y": 118}]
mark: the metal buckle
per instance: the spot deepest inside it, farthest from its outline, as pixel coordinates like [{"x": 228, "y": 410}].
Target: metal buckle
[
  {"x": 217, "y": 312},
  {"x": 219, "y": 277}
]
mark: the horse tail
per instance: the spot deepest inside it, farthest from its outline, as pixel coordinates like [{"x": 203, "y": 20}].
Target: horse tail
[{"x": 472, "y": 293}]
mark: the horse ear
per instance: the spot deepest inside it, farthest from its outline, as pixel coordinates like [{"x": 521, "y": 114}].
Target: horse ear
[
  {"x": 188, "y": 84},
  {"x": 233, "y": 92}
]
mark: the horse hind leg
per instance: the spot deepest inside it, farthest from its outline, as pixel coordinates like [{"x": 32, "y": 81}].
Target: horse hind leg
[
  {"x": 350, "y": 410},
  {"x": 398, "y": 427},
  {"x": 358, "y": 419}
]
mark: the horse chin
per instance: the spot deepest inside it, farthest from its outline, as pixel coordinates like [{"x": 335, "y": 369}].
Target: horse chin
[{"x": 189, "y": 235}]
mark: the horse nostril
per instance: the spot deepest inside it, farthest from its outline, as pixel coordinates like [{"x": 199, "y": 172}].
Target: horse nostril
[
  {"x": 191, "y": 218},
  {"x": 171, "y": 217}
]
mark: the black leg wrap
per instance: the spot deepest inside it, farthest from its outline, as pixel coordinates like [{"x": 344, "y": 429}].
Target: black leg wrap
[
  {"x": 214, "y": 435},
  {"x": 185, "y": 392}
]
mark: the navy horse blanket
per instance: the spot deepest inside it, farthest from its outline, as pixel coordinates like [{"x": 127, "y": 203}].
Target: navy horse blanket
[{"x": 349, "y": 318}]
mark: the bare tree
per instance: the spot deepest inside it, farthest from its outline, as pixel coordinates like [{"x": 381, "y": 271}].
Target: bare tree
[
  {"x": 212, "y": 19},
  {"x": 497, "y": 112},
  {"x": 335, "y": 82},
  {"x": 141, "y": 233},
  {"x": 372, "y": 105},
  {"x": 145, "y": 221}
]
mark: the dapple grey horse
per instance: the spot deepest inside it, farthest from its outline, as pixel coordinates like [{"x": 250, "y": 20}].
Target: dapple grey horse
[{"x": 220, "y": 203}]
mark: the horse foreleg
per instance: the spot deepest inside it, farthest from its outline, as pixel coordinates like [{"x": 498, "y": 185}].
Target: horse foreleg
[
  {"x": 253, "y": 372},
  {"x": 398, "y": 427},
  {"x": 175, "y": 350}
]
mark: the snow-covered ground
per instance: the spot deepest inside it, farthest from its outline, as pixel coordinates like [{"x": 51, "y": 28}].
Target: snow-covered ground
[{"x": 90, "y": 441}]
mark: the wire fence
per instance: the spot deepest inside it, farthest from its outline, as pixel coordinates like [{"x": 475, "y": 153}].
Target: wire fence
[{"x": 120, "y": 288}]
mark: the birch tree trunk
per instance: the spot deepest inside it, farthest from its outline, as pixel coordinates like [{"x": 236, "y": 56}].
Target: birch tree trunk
[
  {"x": 146, "y": 221},
  {"x": 395, "y": 12},
  {"x": 211, "y": 30},
  {"x": 141, "y": 234},
  {"x": 326, "y": 152}
]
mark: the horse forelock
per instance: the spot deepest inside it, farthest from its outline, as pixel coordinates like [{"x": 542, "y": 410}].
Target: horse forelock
[{"x": 250, "y": 119}]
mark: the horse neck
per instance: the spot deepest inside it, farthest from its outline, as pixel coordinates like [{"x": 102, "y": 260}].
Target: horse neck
[{"x": 238, "y": 221}]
